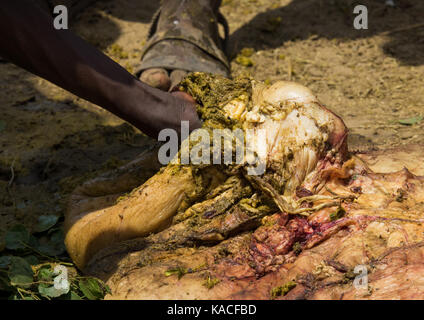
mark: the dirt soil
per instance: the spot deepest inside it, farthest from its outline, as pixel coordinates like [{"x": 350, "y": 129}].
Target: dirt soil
[{"x": 51, "y": 141}]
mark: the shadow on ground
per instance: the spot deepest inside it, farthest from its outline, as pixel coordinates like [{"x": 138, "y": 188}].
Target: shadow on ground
[
  {"x": 301, "y": 19},
  {"x": 333, "y": 19}
]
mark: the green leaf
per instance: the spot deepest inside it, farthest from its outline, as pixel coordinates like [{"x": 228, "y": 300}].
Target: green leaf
[
  {"x": 45, "y": 273},
  {"x": 91, "y": 289},
  {"x": 55, "y": 246},
  {"x": 20, "y": 273},
  {"x": 2, "y": 244},
  {"x": 51, "y": 291},
  {"x": 5, "y": 284},
  {"x": 107, "y": 289},
  {"x": 32, "y": 260},
  {"x": 5, "y": 261},
  {"x": 59, "y": 285},
  {"x": 16, "y": 237},
  {"x": 340, "y": 212},
  {"x": 411, "y": 121},
  {"x": 14, "y": 297},
  {"x": 179, "y": 271},
  {"x": 75, "y": 296},
  {"x": 33, "y": 241},
  {"x": 44, "y": 223},
  {"x": 71, "y": 295}
]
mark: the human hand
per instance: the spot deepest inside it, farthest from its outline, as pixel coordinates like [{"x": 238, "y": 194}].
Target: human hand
[
  {"x": 188, "y": 112},
  {"x": 169, "y": 112}
]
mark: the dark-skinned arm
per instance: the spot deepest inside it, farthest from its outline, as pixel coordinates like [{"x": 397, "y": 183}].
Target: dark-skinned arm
[{"x": 29, "y": 39}]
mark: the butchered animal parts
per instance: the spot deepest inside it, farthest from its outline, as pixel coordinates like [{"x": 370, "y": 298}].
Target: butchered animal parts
[{"x": 298, "y": 230}]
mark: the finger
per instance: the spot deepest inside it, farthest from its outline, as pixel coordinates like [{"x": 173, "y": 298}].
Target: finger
[{"x": 183, "y": 95}]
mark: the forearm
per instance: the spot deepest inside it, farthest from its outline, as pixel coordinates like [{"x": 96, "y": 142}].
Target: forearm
[{"x": 30, "y": 41}]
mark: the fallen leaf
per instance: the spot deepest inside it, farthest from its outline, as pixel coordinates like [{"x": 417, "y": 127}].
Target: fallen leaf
[
  {"x": 20, "y": 273},
  {"x": 5, "y": 261},
  {"x": 91, "y": 289},
  {"x": 55, "y": 246},
  {"x": 17, "y": 237},
  {"x": 411, "y": 121},
  {"x": 44, "y": 223},
  {"x": 32, "y": 260}
]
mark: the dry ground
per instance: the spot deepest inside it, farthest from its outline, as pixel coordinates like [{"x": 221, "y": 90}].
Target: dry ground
[{"x": 50, "y": 140}]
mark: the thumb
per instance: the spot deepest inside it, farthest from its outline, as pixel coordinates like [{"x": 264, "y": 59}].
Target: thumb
[{"x": 188, "y": 110}]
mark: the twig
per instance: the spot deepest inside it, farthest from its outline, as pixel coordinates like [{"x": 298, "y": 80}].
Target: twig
[
  {"x": 39, "y": 253},
  {"x": 407, "y": 28},
  {"x": 46, "y": 168},
  {"x": 290, "y": 69},
  {"x": 34, "y": 296},
  {"x": 13, "y": 174}
]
